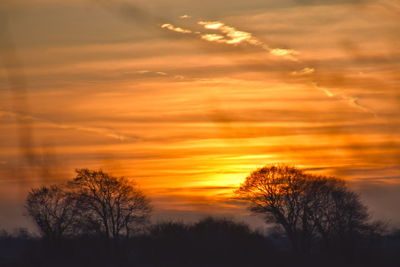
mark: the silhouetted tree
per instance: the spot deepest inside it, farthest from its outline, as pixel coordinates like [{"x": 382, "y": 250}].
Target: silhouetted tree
[
  {"x": 308, "y": 207},
  {"x": 108, "y": 205},
  {"x": 53, "y": 211}
]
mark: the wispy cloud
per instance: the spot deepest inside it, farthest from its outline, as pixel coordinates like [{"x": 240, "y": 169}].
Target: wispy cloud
[
  {"x": 148, "y": 72},
  {"x": 286, "y": 53},
  {"x": 351, "y": 100},
  {"x": 101, "y": 131},
  {"x": 305, "y": 71},
  {"x": 97, "y": 130},
  {"x": 153, "y": 74},
  {"x": 175, "y": 29},
  {"x": 142, "y": 71},
  {"x": 231, "y": 36}
]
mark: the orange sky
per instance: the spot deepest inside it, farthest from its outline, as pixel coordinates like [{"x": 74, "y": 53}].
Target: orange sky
[{"x": 188, "y": 97}]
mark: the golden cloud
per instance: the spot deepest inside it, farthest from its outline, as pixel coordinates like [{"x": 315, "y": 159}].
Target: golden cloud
[
  {"x": 175, "y": 29},
  {"x": 305, "y": 71},
  {"x": 232, "y": 36}
]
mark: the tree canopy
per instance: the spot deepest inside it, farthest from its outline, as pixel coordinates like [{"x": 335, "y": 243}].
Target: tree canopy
[
  {"x": 308, "y": 207},
  {"x": 52, "y": 209},
  {"x": 109, "y": 205},
  {"x": 94, "y": 202}
]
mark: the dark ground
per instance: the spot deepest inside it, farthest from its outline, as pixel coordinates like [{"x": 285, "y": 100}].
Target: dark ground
[{"x": 209, "y": 242}]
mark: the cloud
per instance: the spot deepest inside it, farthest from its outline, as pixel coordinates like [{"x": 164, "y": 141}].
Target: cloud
[
  {"x": 187, "y": 189},
  {"x": 102, "y": 131},
  {"x": 231, "y": 36},
  {"x": 97, "y": 130},
  {"x": 351, "y": 100},
  {"x": 214, "y": 38},
  {"x": 179, "y": 77},
  {"x": 305, "y": 71},
  {"x": 234, "y": 36},
  {"x": 143, "y": 72},
  {"x": 283, "y": 52},
  {"x": 175, "y": 29}
]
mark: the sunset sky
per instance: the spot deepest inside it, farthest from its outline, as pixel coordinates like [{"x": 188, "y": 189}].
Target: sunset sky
[{"x": 188, "y": 97}]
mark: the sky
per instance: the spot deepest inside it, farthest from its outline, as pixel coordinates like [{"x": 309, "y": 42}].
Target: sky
[{"x": 188, "y": 97}]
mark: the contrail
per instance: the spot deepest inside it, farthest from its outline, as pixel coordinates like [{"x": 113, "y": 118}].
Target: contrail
[
  {"x": 352, "y": 101},
  {"x": 97, "y": 130}
]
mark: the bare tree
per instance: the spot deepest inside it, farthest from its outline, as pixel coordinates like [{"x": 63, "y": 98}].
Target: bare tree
[
  {"x": 307, "y": 207},
  {"x": 108, "y": 205},
  {"x": 53, "y": 211}
]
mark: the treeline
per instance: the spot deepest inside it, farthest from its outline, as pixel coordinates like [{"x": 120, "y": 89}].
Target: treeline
[
  {"x": 96, "y": 219},
  {"x": 210, "y": 242}
]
